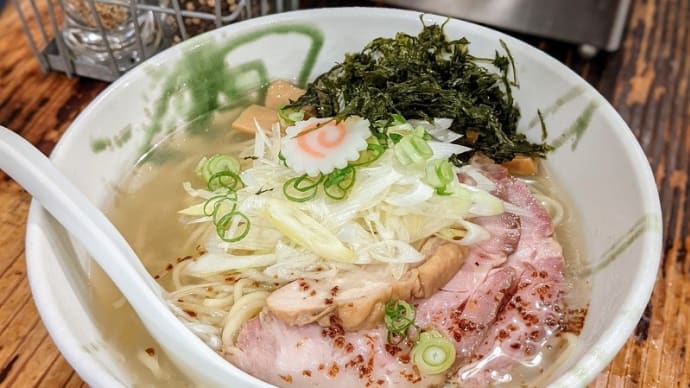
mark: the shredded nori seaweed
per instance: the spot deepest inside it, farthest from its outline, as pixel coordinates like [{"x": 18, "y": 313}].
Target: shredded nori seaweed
[{"x": 423, "y": 77}]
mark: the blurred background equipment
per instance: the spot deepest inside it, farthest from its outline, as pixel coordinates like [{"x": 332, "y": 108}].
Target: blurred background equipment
[
  {"x": 102, "y": 39},
  {"x": 593, "y": 24}
]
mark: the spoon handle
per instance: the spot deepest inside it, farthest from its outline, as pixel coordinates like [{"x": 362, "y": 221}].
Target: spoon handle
[
  {"x": 31, "y": 169},
  {"x": 37, "y": 174}
]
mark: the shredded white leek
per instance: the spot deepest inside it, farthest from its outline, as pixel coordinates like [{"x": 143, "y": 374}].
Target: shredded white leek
[
  {"x": 470, "y": 233},
  {"x": 438, "y": 129},
  {"x": 199, "y": 193},
  {"x": 306, "y": 231},
  {"x": 211, "y": 263},
  {"x": 406, "y": 194},
  {"x": 482, "y": 182},
  {"x": 443, "y": 150}
]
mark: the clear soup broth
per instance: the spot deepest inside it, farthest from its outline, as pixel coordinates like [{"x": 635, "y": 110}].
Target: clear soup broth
[{"x": 144, "y": 208}]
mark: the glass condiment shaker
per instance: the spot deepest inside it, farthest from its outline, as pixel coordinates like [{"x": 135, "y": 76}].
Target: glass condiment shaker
[{"x": 92, "y": 28}]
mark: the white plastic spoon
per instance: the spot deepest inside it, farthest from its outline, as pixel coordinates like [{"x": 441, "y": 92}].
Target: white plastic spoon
[{"x": 37, "y": 174}]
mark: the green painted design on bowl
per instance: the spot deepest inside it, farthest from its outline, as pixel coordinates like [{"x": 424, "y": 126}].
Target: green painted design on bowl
[
  {"x": 210, "y": 84},
  {"x": 646, "y": 223},
  {"x": 203, "y": 73},
  {"x": 578, "y": 127},
  {"x": 570, "y": 95},
  {"x": 110, "y": 143}
]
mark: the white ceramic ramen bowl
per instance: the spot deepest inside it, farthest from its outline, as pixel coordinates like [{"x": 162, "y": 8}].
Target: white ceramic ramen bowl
[{"x": 598, "y": 162}]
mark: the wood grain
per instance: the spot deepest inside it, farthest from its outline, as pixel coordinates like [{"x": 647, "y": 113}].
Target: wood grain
[
  {"x": 647, "y": 81},
  {"x": 40, "y": 106}
]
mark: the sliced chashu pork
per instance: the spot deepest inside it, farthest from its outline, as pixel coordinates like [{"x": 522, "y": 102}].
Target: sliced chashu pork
[
  {"x": 315, "y": 356},
  {"x": 496, "y": 290},
  {"x": 534, "y": 312},
  {"x": 358, "y": 297}
]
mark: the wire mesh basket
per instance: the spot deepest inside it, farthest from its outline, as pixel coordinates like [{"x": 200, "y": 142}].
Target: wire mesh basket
[{"x": 103, "y": 39}]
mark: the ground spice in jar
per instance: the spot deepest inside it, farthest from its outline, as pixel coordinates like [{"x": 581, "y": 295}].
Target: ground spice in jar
[
  {"x": 111, "y": 16},
  {"x": 195, "y": 26}
]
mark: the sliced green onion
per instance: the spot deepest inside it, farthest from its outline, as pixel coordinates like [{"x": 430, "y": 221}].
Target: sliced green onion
[
  {"x": 225, "y": 221},
  {"x": 223, "y": 209},
  {"x": 371, "y": 154},
  {"x": 214, "y": 207},
  {"x": 302, "y": 188},
  {"x": 433, "y": 353},
  {"x": 290, "y": 116},
  {"x": 443, "y": 191},
  {"x": 221, "y": 173},
  {"x": 281, "y": 157},
  {"x": 412, "y": 149},
  {"x": 339, "y": 182},
  {"x": 398, "y": 317},
  {"x": 398, "y": 118},
  {"x": 296, "y": 116},
  {"x": 207, "y": 167},
  {"x": 439, "y": 173},
  {"x": 336, "y": 185},
  {"x": 378, "y": 133},
  {"x": 420, "y": 132},
  {"x": 395, "y": 137},
  {"x": 220, "y": 204},
  {"x": 398, "y": 124},
  {"x": 225, "y": 179}
]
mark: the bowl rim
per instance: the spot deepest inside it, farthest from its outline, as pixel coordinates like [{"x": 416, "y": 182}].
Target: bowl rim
[{"x": 586, "y": 369}]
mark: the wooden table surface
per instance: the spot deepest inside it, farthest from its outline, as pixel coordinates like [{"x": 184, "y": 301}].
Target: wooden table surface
[{"x": 647, "y": 81}]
